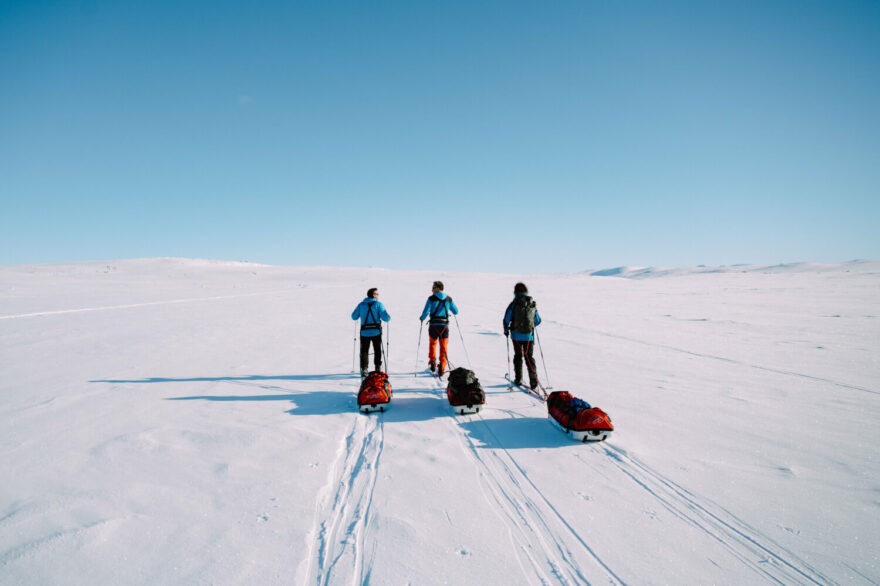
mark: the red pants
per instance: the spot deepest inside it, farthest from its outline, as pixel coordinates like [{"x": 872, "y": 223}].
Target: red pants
[
  {"x": 432, "y": 351},
  {"x": 438, "y": 333}
]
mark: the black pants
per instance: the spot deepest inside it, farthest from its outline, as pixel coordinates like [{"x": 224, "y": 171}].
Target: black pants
[
  {"x": 438, "y": 331},
  {"x": 525, "y": 349},
  {"x": 376, "y": 341}
]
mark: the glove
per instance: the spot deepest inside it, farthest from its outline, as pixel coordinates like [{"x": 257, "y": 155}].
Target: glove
[{"x": 506, "y": 333}]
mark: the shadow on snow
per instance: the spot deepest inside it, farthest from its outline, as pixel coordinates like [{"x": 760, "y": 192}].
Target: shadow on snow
[
  {"x": 514, "y": 433},
  {"x": 254, "y": 378},
  {"x": 310, "y": 402}
]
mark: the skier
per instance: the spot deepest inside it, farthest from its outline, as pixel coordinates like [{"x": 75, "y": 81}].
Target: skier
[
  {"x": 520, "y": 320},
  {"x": 372, "y": 313},
  {"x": 438, "y": 306}
]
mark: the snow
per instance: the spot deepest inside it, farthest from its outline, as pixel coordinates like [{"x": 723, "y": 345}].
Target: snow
[{"x": 174, "y": 421}]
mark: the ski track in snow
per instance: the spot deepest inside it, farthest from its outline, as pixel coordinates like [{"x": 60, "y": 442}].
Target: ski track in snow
[
  {"x": 336, "y": 552},
  {"x": 767, "y": 559},
  {"x": 549, "y": 545},
  {"x": 719, "y": 358},
  {"x": 147, "y": 304},
  {"x": 546, "y": 546}
]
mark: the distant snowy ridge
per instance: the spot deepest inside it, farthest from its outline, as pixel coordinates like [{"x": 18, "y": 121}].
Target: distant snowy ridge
[{"x": 625, "y": 272}]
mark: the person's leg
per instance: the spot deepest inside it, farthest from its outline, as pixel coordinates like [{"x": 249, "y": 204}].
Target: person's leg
[
  {"x": 517, "y": 361},
  {"x": 443, "y": 343},
  {"x": 365, "y": 352},
  {"x": 377, "y": 352},
  {"x": 432, "y": 352},
  {"x": 530, "y": 363},
  {"x": 435, "y": 332}
]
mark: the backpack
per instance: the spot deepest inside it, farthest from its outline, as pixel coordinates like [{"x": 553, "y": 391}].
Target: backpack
[
  {"x": 375, "y": 389},
  {"x": 523, "y": 319},
  {"x": 464, "y": 388},
  {"x": 468, "y": 395},
  {"x": 462, "y": 377}
]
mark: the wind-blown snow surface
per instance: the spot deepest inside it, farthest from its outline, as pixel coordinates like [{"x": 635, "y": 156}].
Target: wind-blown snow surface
[{"x": 184, "y": 422}]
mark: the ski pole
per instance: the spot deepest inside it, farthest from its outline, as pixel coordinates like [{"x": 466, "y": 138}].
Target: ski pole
[
  {"x": 388, "y": 350},
  {"x": 509, "y": 384},
  {"x": 354, "y": 348},
  {"x": 471, "y": 366},
  {"x": 544, "y": 362},
  {"x": 418, "y": 349}
]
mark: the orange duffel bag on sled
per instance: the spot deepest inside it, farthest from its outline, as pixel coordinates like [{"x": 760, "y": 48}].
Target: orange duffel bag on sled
[{"x": 375, "y": 392}]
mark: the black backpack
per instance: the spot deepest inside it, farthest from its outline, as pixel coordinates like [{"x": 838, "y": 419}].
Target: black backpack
[
  {"x": 464, "y": 388},
  {"x": 524, "y": 310},
  {"x": 462, "y": 377}
]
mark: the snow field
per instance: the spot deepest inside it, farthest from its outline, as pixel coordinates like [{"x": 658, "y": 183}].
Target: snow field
[{"x": 178, "y": 421}]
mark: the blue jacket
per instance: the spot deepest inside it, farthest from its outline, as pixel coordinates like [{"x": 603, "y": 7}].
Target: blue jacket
[
  {"x": 508, "y": 318},
  {"x": 439, "y": 310},
  {"x": 370, "y": 311}
]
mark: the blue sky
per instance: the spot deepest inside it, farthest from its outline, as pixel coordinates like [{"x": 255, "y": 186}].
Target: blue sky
[{"x": 486, "y": 136}]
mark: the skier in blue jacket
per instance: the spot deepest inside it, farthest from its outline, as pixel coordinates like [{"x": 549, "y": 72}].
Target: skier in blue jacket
[
  {"x": 438, "y": 306},
  {"x": 520, "y": 320},
  {"x": 372, "y": 313}
]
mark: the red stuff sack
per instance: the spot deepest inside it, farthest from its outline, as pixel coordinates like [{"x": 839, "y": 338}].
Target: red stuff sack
[
  {"x": 577, "y": 415},
  {"x": 375, "y": 389}
]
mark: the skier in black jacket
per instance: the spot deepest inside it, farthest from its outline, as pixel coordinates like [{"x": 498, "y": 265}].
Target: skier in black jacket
[{"x": 520, "y": 320}]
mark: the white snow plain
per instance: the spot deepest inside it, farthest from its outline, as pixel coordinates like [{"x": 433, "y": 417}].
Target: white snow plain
[{"x": 171, "y": 421}]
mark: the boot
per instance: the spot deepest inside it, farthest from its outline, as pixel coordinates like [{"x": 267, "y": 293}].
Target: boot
[
  {"x": 432, "y": 366},
  {"x": 363, "y": 373}
]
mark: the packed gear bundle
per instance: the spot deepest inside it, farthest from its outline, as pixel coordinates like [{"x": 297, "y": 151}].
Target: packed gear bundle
[
  {"x": 375, "y": 393},
  {"x": 464, "y": 391},
  {"x": 523, "y": 316},
  {"x": 578, "y": 418}
]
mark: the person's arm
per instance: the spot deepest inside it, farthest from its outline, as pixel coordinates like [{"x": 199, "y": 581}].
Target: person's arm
[{"x": 508, "y": 317}]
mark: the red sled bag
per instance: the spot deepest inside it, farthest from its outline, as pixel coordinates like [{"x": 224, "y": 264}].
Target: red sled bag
[
  {"x": 375, "y": 392},
  {"x": 464, "y": 391},
  {"x": 578, "y": 418}
]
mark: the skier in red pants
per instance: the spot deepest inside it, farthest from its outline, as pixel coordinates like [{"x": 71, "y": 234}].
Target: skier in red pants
[{"x": 437, "y": 307}]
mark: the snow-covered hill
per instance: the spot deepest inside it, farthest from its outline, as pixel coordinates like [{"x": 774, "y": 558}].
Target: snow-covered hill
[{"x": 168, "y": 421}]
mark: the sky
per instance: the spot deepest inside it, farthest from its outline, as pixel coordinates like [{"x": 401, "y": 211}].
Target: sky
[{"x": 479, "y": 136}]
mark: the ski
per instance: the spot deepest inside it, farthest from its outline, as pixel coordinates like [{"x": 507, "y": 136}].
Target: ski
[{"x": 541, "y": 396}]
